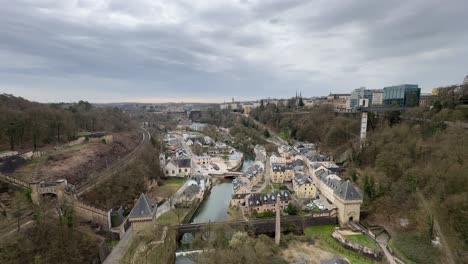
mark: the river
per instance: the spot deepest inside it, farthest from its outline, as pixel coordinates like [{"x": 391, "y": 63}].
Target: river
[{"x": 215, "y": 206}]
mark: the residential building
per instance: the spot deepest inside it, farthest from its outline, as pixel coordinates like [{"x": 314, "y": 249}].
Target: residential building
[
  {"x": 377, "y": 97},
  {"x": 425, "y": 99},
  {"x": 238, "y": 199},
  {"x": 403, "y": 95},
  {"x": 343, "y": 194},
  {"x": 202, "y": 160},
  {"x": 263, "y": 202},
  {"x": 280, "y": 172},
  {"x": 178, "y": 168},
  {"x": 254, "y": 174},
  {"x": 184, "y": 124},
  {"x": 189, "y": 194},
  {"x": 303, "y": 186},
  {"x": 360, "y": 93},
  {"x": 198, "y": 126},
  {"x": 465, "y": 81},
  {"x": 201, "y": 180},
  {"x": 276, "y": 158},
  {"x": 260, "y": 153},
  {"x": 339, "y": 100},
  {"x": 239, "y": 186}
]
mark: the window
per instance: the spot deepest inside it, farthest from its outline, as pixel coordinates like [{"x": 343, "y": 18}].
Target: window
[
  {"x": 167, "y": 172},
  {"x": 173, "y": 171},
  {"x": 185, "y": 170}
]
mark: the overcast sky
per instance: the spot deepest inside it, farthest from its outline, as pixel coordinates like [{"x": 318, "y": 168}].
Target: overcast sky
[{"x": 213, "y": 50}]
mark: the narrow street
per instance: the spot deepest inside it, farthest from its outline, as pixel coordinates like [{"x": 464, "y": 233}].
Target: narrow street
[{"x": 266, "y": 181}]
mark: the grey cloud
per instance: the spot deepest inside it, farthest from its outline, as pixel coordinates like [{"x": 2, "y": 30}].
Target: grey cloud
[{"x": 232, "y": 50}]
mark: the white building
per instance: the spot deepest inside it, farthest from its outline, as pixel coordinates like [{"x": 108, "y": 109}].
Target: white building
[
  {"x": 377, "y": 97},
  {"x": 205, "y": 159}
]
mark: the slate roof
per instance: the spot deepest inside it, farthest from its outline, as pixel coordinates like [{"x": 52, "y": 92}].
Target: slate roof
[
  {"x": 302, "y": 178},
  {"x": 298, "y": 162},
  {"x": 143, "y": 208},
  {"x": 237, "y": 183},
  {"x": 253, "y": 171},
  {"x": 191, "y": 191},
  {"x": 278, "y": 167},
  {"x": 198, "y": 178},
  {"x": 258, "y": 199},
  {"x": 239, "y": 195},
  {"x": 344, "y": 189},
  {"x": 184, "y": 163},
  {"x": 347, "y": 191}
]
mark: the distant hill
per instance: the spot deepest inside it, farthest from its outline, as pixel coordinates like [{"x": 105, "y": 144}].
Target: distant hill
[{"x": 28, "y": 125}]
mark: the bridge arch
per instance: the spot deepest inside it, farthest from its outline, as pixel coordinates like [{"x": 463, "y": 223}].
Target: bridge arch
[{"x": 43, "y": 189}]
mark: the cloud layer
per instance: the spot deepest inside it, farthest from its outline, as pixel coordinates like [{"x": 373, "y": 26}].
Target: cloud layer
[{"x": 211, "y": 50}]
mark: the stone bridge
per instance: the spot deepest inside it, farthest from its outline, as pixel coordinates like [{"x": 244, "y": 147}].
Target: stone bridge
[
  {"x": 65, "y": 195},
  {"x": 228, "y": 174},
  {"x": 263, "y": 225}
]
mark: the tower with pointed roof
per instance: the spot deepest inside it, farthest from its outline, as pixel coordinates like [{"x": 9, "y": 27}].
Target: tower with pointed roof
[{"x": 143, "y": 213}]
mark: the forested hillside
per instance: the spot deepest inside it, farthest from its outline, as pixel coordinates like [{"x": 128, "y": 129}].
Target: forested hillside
[
  {"x": 413, "y": 169},
  {"x": 320, "y": 125},
  {"x": 25, "y": 124}
]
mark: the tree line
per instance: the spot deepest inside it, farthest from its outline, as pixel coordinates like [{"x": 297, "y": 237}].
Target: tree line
[{"x": 25, "y": 124}]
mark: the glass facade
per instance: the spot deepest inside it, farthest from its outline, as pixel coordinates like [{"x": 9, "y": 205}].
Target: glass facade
[{"x": 404, "y": 95}]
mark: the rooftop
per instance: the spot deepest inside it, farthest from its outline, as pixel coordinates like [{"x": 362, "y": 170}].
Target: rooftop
[{"x": 144, "y": 207}]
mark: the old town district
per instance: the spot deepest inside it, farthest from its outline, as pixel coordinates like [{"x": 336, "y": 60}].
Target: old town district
[{"x": 301, "y": 178}]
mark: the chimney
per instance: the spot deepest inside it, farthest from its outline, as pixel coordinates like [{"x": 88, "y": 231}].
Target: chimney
[{"x": 278, "y": 224}]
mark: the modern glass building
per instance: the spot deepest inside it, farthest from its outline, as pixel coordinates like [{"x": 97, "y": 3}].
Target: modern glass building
[{"x": 403, "y": 95}]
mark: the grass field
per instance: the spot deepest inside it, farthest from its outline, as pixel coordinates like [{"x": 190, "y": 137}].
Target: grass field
[
  {"x": 173, "y": 217},
  {"x": 178, "y": 181},
  {"x": 324, "y": 234},
  {"x": 169, "y": 187},
  {"x": 363, "y": 239}
]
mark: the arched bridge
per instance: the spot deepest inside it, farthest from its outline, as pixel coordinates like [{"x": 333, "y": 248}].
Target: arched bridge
[
  {"x": 263, "y": 225},
  {"x": 228, "y": 174}
]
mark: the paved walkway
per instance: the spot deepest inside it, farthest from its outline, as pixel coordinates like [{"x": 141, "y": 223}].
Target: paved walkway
[
  {"x": 267, "y": 176},
  {"x": 119, "y": 251}
]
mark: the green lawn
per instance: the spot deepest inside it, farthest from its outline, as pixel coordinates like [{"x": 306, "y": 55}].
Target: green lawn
[
  {"x": 173, "y": 217},
  {"x": 324, "y": 234},
  {"x": 363, "y": 239},
  {"x": 178, "y": 181}
]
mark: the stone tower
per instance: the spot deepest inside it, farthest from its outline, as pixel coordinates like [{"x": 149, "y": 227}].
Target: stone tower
[{"x": 278, "y": 224}]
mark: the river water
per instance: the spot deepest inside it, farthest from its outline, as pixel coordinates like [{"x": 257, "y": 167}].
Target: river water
[{"x": 215, "y": 206}]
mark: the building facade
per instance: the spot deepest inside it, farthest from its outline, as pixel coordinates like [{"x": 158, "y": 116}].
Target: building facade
[
  {"x": 263, "y": 202},
  {"x": 343, "y": 194},
  {"x": 377, "y": 97},
  {"x": 339, "y": 100},
  {"x": 403, "y": 95},
  {"x": 303, "y": 186},
  {"x": 360, "y": 93}
]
